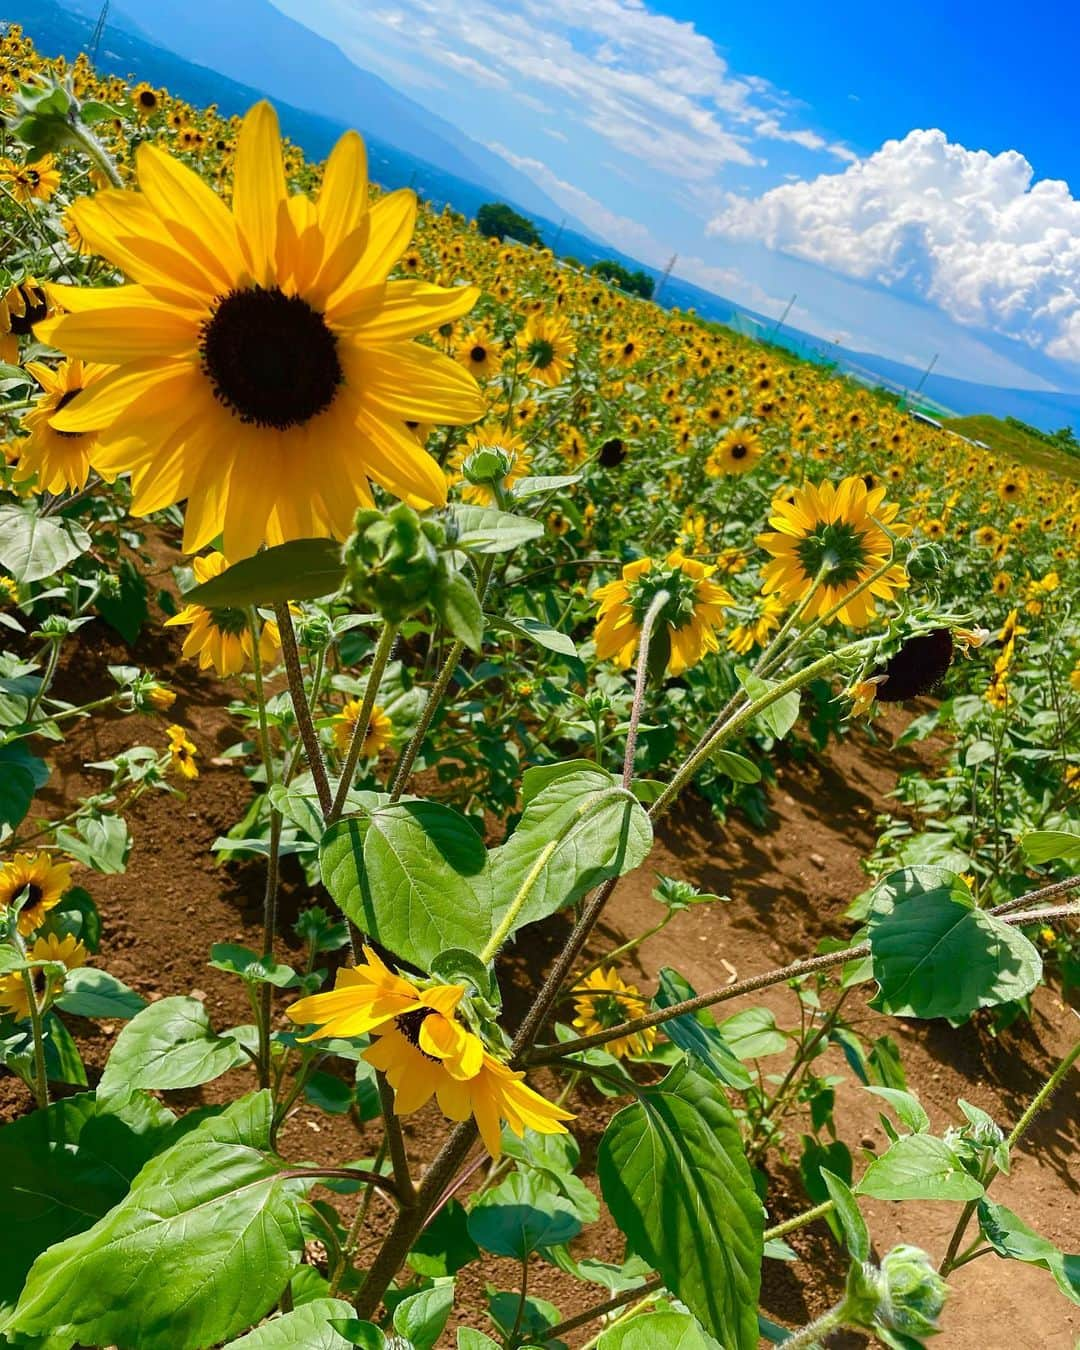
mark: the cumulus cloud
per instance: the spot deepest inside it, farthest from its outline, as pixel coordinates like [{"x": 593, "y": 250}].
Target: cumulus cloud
[{"x": 968, "y": 231}]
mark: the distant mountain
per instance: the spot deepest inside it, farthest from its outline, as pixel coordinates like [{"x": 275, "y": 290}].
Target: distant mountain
[{"x": 254, "y": 43}]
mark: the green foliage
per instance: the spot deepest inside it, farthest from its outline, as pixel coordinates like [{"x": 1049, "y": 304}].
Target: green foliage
[
  {"x": 302, "y": 569},
  {"x": 496, "y": 220},
  {"x": 168, "y": 1045},
  {"x": 636, "y": 281}
]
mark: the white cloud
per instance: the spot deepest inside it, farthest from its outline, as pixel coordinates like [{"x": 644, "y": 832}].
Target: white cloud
[
  {"x": 968, "y": 231},
  {"x": 620, "y": 230}
]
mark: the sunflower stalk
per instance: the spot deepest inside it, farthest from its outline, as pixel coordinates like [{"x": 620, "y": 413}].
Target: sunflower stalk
[
  {"x": 363, "y": 721},
  {"x": 652, "y": 614},
  {"x": 302, "y": 708},
  {"x": 41, "y": 1080}
]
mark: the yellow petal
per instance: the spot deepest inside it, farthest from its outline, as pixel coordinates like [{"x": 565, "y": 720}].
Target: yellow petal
[
  {"x": 394, "y": 459},
  {"x": 181, "y": 197},
  {"x": 415, "y": 383},
  {"x": 109, "y": 397},
  {"x": 405, "y": 309},
  {"x": 117, "y": 332},
  {"x": 259, "y": 188},
  {"x": 393, "y": 219},
  {"x": 343, "y": 199}
]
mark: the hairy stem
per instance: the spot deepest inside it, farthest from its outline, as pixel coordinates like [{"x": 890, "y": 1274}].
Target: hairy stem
[
  {"x": 302, "y": 708},
  {"x": 363, "y": 721}
]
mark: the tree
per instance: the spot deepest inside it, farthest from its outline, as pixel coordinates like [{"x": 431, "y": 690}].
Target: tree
[
  {"x": 637, "y": 282},
  {"x": 497, "y": 220}
]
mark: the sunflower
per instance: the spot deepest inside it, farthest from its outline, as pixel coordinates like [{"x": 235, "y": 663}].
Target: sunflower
[
  {"x": 145, "y": 100},
  {"x": 604, "y": 1000},
  {"x": 43, "y": 881},
  {"x": 30, "y": 182},
  {"x": 1001, "y": 584},
  {"x": 262, "y": 362},
  {"x": 625, "y": 351},
  {"x": 934, "y": 529},
  {"x": 67, "y": 951},
  {"x": 182, "y": 751},
  {"x": 692, "y": 614},
  {"x": 828, "y": 540},
  {"x": 59, "y": 459},
  {"x": 548, "y": 345},
  {"x": 425, "y": 1051},
  {"x": 490, "y": 437},
  {"x": 479, "y": 354},
  {"x": 22, "y": 306},
  {"x": 380, "y": 730},
  {"x": 222, "y": 637},
  {"x": 738, "y": 452},
  {"x": 755, "y": 630}
]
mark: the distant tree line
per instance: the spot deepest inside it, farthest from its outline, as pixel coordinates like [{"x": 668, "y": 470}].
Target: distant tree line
[
  {"x": 636, "y": 282},
  {"x": 496, "y": 220},
  {"x": 1063, "y": 439}
]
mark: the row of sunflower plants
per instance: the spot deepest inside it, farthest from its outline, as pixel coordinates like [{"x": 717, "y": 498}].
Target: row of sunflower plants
[{"x": 412, "y": 609}]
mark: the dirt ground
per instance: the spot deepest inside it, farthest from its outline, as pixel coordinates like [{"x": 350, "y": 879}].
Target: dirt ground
[{"x": 788, "y": 885}]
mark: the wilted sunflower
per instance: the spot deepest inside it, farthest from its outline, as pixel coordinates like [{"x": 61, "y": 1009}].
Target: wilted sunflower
[
  {"x": 602, "y": 999},
  {"x": 22, "y": 306},
  {"x": 68, "y": 951},
  {"x": 264, "y": 367},
  {"x": 222, "y": 637},
  {"x": 379, "y": 734},
  {"x": 182, "y": 751},
  {"x": 547, "y": 344},
  {"x": 59, "y": 459},
  {"x": 425, "y": 1051},
  {"x": 30, "y": 182},
  {"x": 688, "y": 620},
  {"x": 736, "y": 453},
  {"x": 43, "y": 880},
  {"x": 837, "y": 534}
]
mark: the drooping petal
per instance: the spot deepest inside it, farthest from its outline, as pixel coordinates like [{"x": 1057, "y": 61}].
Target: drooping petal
[{"x": 394, "y": 459}]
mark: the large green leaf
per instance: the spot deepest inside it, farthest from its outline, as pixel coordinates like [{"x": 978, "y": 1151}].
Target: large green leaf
[
  {"x": 663, "y": 1330},
  {"x": 1010, "y": 1237},
  {"x": 780, "y": 716},
  {"x": 34, "y": 547},
  {"x": 673, "y": 1174},
  {"x": 199, "y": 1249},
  {"x": 1042, "y": 846},
  {"x": 309, "y": 1327},
  {"x": 482, "y": 529},
  {"x": 521, "y": 1215},
  {"x": 61, "y": 1169},
  {"x": 581, "y": 828},
  {"x": 533, "y": 630},
  {"x": 168, "y": 1045},
  {"x": 918, "y": 1167},
  {"x": 421, "y": 1317},
  {"x": 413, "y": 876},
  {"x": 935, "y": 954},
  {"x": 697, "y": 1033},
  {"x": 21, "y": 774},
  {"x": 302, "y": 569},
  {"x": 89, "y": 992}
]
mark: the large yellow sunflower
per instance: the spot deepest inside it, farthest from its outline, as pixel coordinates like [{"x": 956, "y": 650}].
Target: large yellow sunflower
[
  {"x": 692, "y": 615},
  {"x": 69, "y": 951},
  {"x": 425, "y": 1051},
  {"x": 263, "y": 363},
  {"x": 836, "y": 534},
  {"x": 44, "y": 882},
  {"x": 59, "y": 459},
  {"x": 222, "y": 637}
]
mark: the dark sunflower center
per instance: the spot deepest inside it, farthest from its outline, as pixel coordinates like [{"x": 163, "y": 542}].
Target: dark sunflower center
[
  {"x": 147, "y": 99},
  {"x": 62, "y": 402},
  {"x": 612, "y": 453},
  {"x": 837, "y": 548},
  {"x": 33, "y": 893},
  {"x": 270, "y": 358},
  {"x": 541, "y": 352},
  {"x": 917, "y": 668},
  {"x": 478, "y": 354},
  {"x": 409, "y": 1025},
  {"x": 36, "y": 310},
  {"x": 739, "y": 451}
]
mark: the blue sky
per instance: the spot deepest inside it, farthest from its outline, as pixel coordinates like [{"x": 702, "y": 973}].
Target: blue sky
[{"x": 908, "y": 171}]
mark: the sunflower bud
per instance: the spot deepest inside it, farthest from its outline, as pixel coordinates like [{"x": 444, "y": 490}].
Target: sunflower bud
[
  {"x": 392, "y": 563},
  {"x": 314, "y": 631},
  {"x": 488, "y": 466},
  {"x": 926, "y": 561},
  {"x": 902, "y": 1297}
]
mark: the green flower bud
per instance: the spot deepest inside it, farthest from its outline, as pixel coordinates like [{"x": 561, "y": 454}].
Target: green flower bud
[
  {"x": 904, "y": 1297},
  {"x": 926, "y": 561},
  {"x": 487, "y": 466},
  {"x": 314, "y": 631},
  {"x": 392, "y": 563}
]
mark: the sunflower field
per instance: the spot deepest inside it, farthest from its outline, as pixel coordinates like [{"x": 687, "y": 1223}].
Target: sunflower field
[{"x": 495, "y": 577}]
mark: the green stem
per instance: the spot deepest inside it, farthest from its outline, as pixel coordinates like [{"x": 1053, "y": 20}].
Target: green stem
[
  {"x": 395, "y": 1142},
  {"x": 363, "y": 721},
  {"x": 813, "y": 1332},
  {"x": 659, "y": 600},
  {"x": 302, "y": 708},
  {"x": 96, "y": 151},
  {"x": 46, "y": 679},
  {"x": 609, "y": 958},
  {"x": 1042, "y": 1097},
  {"x": 800, "y": 1220}
]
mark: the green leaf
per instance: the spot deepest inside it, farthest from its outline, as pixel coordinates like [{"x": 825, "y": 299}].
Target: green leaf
[
  {"x": 35, "y": 547},
  {"x": 536, "y": 483},
  {"x": 199, "y": 1249},
  {"x": 697, "y": 1033},
  {"x": 242, "y": 961},
  {"x": 779, "y": 717},
  {"x": 918, "y": 1167},
  {"x": 468, "y": 1338},
  {"x": 302, "y": 569},
  {"x": 673, "y": 1174},
  {"x": 168, "y": 1045},
  {"x": 579, "y": 829},
  {"x": 521, "y": 1215},
  {"x": 908, "y": 1108},
  {"x": 456, "y": 604},
  {"x": 63, "y": 1063},
  {"x": 482, "y": 529},
  {"x": 89, "y": 992},
  {"x": 21, "y": 775},
  {"x": 127, "y": 610},
  {"x": 421, "y": 1317},
  {"x": 935, "y": 955},
  {"x": 61, "y": 1169},
  {"x": 445, "y": 1245},
  {"x": 753, "y": 1033},
  {"x": 533, "y": 630},
  {"x": 309, "y": 1327},
  {"x": 413, "y": 876},
  {"x": 1010, "y": 1237},
  {"x": 1042, "y": 846},
  {"x": 663, "y": 1330},
  {"x": 100, "y": 842},
  {"x": 856, "y": 1233},
  {"x": 737, "y": 767}
]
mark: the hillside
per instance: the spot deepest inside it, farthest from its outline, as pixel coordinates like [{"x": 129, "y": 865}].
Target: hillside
[{"x": 1007, "y": 440}]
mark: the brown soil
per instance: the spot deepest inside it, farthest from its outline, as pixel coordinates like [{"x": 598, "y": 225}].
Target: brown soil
[{"x": 789, "y": 885}]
